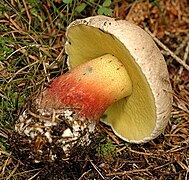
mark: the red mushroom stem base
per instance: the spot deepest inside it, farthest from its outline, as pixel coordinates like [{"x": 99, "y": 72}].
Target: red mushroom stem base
[{"x": 66, "y": 113}]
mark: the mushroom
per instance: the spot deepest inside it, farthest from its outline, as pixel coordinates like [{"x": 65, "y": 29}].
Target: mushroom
[{"x": 117, "y": 75}]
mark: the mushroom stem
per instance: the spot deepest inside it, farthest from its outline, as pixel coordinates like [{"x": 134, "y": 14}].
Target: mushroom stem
[{"x": 89, "y": 88}]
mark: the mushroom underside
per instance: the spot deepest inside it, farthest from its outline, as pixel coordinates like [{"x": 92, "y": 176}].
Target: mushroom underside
[{"x": 132, "y": 118}]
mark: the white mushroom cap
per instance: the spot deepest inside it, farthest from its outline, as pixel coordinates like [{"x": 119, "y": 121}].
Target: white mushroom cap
[{"x": 144, "y": 114}]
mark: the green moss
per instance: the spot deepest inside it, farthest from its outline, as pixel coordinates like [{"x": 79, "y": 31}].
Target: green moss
[{"x": 106, "y": 149}]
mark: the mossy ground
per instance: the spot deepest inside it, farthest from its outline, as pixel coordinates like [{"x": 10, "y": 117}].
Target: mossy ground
[{"x": 32, "y": 36}]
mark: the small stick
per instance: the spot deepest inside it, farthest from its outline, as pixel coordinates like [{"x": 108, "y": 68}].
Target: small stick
[
  {"x": 184, "y": 166},
  {"x": 34, "y": 175},
  {"x": 96, "y": 168},
  {"x": 141, "y": 153},
  {"x": 27, "y": 12},
  {"x": 54, "y": 116},
  {"x": 129, "y": 172},
  {"x": 159, "y": 167},
  {"x": 20, "y": 70},
  {"x": 21, "y": 50},
  {"x": 110, "y": 134},
  {"x": 13, "y": 22},
  {"x": 13, "y": 171},
  {"x": 2, "y": 134},
  {"x": 179, "y": 60},
  {"x": 84, "y": 174},
  {"x": 121, "y": 149}
]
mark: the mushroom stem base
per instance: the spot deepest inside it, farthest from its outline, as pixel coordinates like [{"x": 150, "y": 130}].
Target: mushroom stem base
[{"x": 45, "y": 138}]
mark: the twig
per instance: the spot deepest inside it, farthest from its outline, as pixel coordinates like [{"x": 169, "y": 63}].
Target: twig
[
  {"x": 4, "y": 166},
  {"x": 24, "y": 47},
  {"x": 34, "y": 175},
  {"x": 45, "y": 70},
  {"x": 121, "y": 149},
  {"x": 2, "y": 134},
  {"x": 179, "y": 60},
  {"x": 13, "y": 22},
  {"x": 110, "y": 134},
  {"x": 176, "y": 149},
  {"x": 96, "y": 168},
  {"x": 182, "y": 45},
  {"x": 129, "y": 172},
  {"x": 185, "y": 57},
  {"x": 27, "y": 12},
  {"x": 4, "y": 97},
  {"x": 12, "y": 172},
  {"x": 5, "y": 153},
  {"x": 141, "y": 153},
  {"x": 20, "y": 70},
  {"x": 81, "y": 177},
  {"x": 162, "y": 166},
  {"x": 182, "y": 165},
  {"x": 186, "y": 52}
]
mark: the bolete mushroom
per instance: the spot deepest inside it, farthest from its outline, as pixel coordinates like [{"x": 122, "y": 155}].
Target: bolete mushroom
[{"x": 118, "y": 73}]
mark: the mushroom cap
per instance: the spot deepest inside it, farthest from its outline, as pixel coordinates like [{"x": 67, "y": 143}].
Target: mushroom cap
[{"x": 145, "y": 113}]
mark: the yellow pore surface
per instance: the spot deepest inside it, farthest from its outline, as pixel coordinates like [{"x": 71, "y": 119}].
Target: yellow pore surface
[{"x": 132, "y": 117}]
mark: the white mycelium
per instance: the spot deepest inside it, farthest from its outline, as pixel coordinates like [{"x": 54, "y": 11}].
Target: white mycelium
[{"x": 55, "y": 128}]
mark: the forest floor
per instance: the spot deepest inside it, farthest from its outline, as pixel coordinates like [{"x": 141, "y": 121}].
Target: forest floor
[{"x": 32, "y": 36}]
